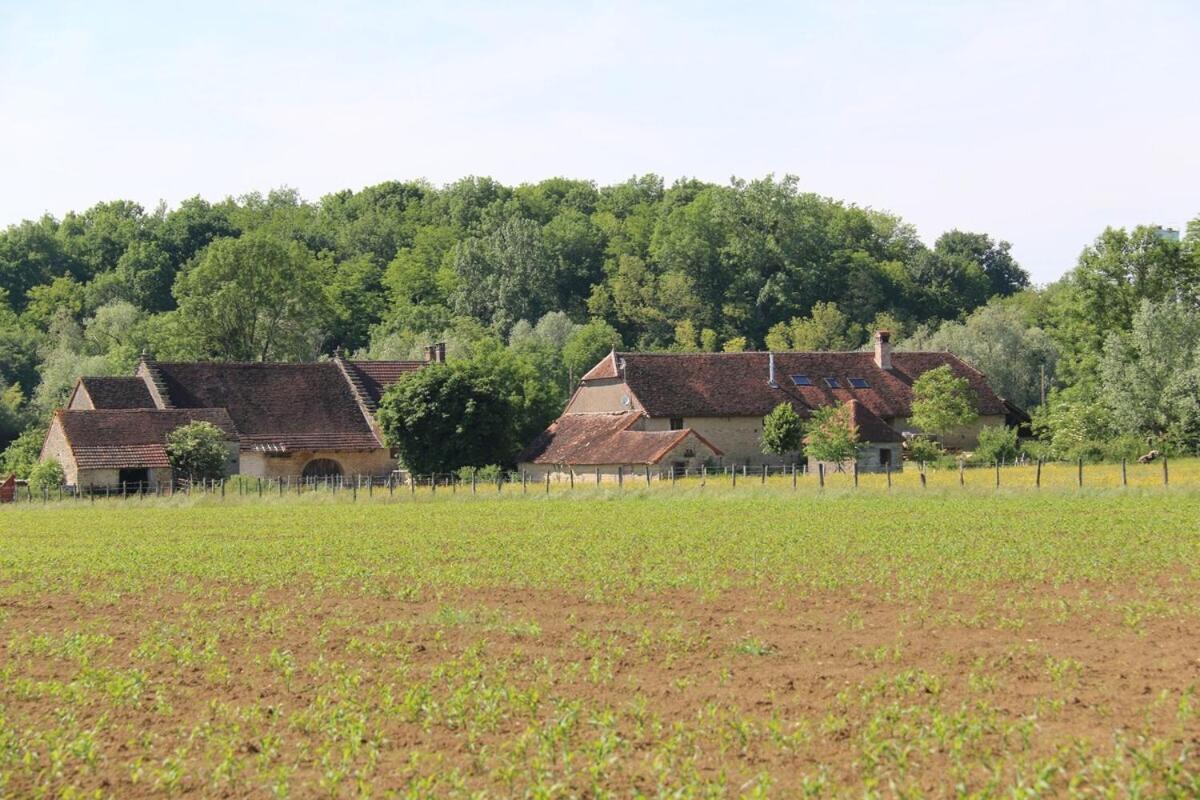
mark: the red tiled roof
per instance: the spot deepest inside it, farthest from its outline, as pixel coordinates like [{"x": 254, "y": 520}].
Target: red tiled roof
[
  {"x": 870, "y": 427},
  {"x": 607, "y": 368},
  {"x": 736, "y": 384},
  {"x": 128, "y": 456},
  {"x": 376, "y": 377},
  {"x": 592, "y": 439},
  {"x": 275, "y": 401},
  {"x": 120, "y": 438},
  {"x": 118, "y": 392}
]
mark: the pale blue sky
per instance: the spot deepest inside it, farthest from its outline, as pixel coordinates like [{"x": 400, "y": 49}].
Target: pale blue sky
[{"x": 1037, "y": 122}]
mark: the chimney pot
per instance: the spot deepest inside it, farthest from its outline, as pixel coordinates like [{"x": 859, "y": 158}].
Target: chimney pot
[{"x": 883, "y": 349}]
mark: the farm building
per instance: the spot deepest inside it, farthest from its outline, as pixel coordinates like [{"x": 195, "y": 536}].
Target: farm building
[
  {"x": 285, "y": 420},
  {"x": 723, "y": 397},
  {"x": 609, "y": 445}
]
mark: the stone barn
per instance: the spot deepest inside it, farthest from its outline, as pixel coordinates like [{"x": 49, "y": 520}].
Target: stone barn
[{"x": 285, "y": 420}]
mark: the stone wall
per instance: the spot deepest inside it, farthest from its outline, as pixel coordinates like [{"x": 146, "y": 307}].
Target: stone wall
[
  {"x": 56, "y": 447},
  {"x": 602, "y": 395},
  {"x": 291, "y": 465}
]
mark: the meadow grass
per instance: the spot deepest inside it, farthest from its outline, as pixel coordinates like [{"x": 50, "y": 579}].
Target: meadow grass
[{"x": 662, "y": 641}]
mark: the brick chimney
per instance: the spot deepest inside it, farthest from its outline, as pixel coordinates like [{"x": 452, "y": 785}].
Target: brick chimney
[
  {"x": 435, "y": 353},
  {"x": 883, "y": 349}
]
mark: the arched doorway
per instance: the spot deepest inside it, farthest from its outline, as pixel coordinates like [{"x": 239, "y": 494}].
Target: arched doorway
[{"x": 321, "y": 468}]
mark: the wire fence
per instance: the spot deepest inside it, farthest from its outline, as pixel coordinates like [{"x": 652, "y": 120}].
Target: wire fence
[{"x": 1018, "y": 475}]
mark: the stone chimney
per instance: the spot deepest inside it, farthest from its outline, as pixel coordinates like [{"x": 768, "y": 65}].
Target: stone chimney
[
  {"x": 883, "y": 349},
  {"x": 435, "y": 353}
]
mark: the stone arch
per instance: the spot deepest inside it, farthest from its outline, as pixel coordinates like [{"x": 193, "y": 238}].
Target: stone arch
[{"x": 322, "y": 468}]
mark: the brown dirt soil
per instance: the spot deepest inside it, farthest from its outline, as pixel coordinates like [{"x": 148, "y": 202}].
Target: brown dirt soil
[{"x": 504, "y": 690}]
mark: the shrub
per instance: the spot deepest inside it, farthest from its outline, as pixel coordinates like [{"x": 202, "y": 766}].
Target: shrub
[
  {"x": 22, "y": 455},
  {"x": 925, "y": 450},
  {"x": 487, "y": 474},
  {"x": 46, "y": 475},
  {"x": 997, "y": 443},
  {"x": 197, "y": 451},
  {"x": 831, "y": 435}
]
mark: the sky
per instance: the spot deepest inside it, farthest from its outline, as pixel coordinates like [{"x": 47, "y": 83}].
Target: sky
[{"x": 1039, "y": 123}]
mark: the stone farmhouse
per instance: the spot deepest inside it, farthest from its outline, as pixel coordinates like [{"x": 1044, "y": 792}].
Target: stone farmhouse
[
  {"x": 684, "y": 410},
  {"x": 281, "y": 420}
]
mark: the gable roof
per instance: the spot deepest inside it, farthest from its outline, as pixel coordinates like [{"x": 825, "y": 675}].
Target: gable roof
[
  {"x": 736, "y": 384},
  {"x": 275, "y": 406},
  {"x": 131, "y": 438},
  {"x": 594, "y": 439},
  {"x": 123, "y": 392},
  {"x": 376, "y": 377}
]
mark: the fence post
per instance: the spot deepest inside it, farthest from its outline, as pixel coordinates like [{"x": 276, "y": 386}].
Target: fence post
[
  {"x": 412, "y": 483},
  {"x": 620, "y": 475},
  {"x": 222, "y": 489},
  {"x": 821, "y": 474},
  {"x": 733, "y": 474},
  {"x": 855, "y": 468},
  {"x": 923, "y": 484},
  {"x": 703, "y": 475},
  {"x": 1124, "y": 475},
  {"x": 1166, "y": 476},
  {"x": 793, "y": 474},
  {"x": 280, "y": 483},
  {"x": 1037, "y": 481},
  {"x": 433, "y": 483},
  {"x": 474, "y": 478},
  {"x": 571, "y": 473},
  {"x": 524, "y": 482},
  {"x": 1079, "y": 475},
  {"x": 547, "y": 481},
  {"x": 962, "y": 470},
  {"x": 997, "y": 474},
  {"x": 597, "y": 476},
  {"x": 673, "y": 475},
  {"x": 354, "y": 490},
  {"x": 887, "y": 469},
  {"x": 647, "y": 474}
]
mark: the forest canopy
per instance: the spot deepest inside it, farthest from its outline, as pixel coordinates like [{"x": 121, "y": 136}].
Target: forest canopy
[{"x": 542, "y": 279}]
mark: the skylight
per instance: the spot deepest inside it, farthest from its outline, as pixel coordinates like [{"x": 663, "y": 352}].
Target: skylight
[
  {"x": 860, "y": 383},
  {"x": 801, "y": 380},
  {"x": 832, "y": 383}
]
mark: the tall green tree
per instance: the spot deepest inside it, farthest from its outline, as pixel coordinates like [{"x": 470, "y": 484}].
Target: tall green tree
[
  {"x": 1151, "y": 375},
  {"x": 782, "y": 431},
  {"x": 443, "y": 418},
  {"x": 942, "y": 402},
  {"x": 252, "y": 299},
  {"x": 831, "y": 435}
]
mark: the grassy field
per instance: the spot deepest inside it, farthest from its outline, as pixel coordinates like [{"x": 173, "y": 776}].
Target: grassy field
[{"x": 663, "y": 642}]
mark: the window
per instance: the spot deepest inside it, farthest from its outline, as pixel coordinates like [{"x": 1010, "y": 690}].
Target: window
[
  {"x": 885, "y": 456},
  {"x": 832, "y": 383},
  {"x": 801, "y": 380},
  {"x": 676, "y": 423},
  {"x": 860, "y": 383}
]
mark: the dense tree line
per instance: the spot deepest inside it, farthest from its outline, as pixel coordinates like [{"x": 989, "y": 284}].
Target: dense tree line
[{"x": 533, "y": 283}]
